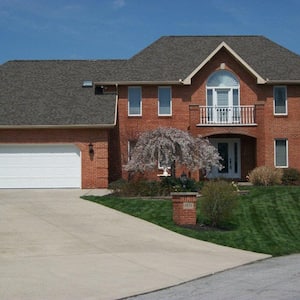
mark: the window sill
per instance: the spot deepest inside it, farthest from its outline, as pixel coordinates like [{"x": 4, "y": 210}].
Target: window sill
[{"x": 281, "y": 115}]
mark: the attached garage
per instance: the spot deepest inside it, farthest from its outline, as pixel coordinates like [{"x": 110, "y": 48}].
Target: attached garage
[
  {"x": 40, "y": 166},
  {"x": 46, "y": 109}
]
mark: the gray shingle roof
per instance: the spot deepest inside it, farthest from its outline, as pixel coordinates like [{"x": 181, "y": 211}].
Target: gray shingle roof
[
  {"x": 50, "y": 93},
  {"x": 175, "y": 57}
]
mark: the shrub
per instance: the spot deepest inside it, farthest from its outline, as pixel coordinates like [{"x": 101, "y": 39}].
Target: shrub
[
  {"x": 118, "y": 185},
  {"x": 171, "y": 184},
  {"x": 125, "y": 188},
  {"x": 265, "y": 175},
  {"x": 151, "y": 188},
  {"x": 290, "y": 176},
  {"x": 145, "y": 188},
  {"x": 218, "y": 202}
]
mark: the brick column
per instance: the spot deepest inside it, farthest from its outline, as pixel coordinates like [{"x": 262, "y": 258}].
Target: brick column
[{"x": 184, "y": 208}]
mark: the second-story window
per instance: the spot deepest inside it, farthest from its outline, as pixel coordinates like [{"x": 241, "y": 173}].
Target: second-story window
[
  {"x": 164, "y": 101},
  {"x": 280, "y": 100},
  {"x": 134, "y": 101},
  {"x": 223, "y": 97}
]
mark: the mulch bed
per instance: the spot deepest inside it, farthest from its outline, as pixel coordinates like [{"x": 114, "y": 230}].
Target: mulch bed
[{"x": 202, "y": 227}]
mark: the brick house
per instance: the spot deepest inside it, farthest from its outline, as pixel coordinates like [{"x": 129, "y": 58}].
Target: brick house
[{"x": 242, "y": 92}]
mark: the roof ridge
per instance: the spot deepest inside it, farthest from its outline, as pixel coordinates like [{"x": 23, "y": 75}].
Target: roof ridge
[
  {"x": 217, "y": 35},
  {"x": 63, "y": 60}
]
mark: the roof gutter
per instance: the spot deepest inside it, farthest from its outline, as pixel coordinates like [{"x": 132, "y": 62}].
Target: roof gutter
[
  {"x": 283, "y": 81},
  {"x": 79, "y": 126},
  {"x": 141, "y": 82}
]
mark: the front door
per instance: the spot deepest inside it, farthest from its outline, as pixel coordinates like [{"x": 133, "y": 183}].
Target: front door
[{"x": 229, "y": 150}]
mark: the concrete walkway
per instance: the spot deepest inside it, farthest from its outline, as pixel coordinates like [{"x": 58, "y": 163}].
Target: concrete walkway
[{"x": 54, "y": 245}]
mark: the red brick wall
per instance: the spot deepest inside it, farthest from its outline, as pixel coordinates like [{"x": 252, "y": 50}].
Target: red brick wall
[
  {"x": 286, "y": 127},
  {"x": 185, "y": 114},
  {"x": 185, "y": 106},
  {"x": 130, "y": 127},
  {"x": 94, "y": 168}
]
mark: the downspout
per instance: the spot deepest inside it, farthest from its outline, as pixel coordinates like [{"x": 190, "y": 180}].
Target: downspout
[{"x": 116, "y": 108}]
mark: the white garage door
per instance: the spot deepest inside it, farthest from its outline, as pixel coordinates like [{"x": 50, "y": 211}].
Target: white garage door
[{"x": 40, "y": 166}]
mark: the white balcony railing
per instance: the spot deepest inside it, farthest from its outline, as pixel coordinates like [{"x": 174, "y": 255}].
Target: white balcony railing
[{"x": 227, "y": 115}]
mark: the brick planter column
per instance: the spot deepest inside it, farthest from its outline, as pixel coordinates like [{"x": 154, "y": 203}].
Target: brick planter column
[{"x": 184, "y": 208}]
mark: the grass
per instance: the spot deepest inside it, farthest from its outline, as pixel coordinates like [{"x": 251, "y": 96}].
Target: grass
[{"x": 267, "y": 220}]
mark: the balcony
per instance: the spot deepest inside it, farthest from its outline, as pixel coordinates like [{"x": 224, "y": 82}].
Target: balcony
[{"x": 227, "y": 116}]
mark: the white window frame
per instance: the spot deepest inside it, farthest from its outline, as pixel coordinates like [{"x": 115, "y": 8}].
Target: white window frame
[
  {"x": 230, "y": 91},
  {"x": 287, "y": 153},
  {"x": 130, "y": 146},
  {"x": 286, "y": 102},
  {"x": 140, "y": 108},
  {"x": 229, "y": 88},
  {"x": 214, "y": 108},
  {"x": 170, "y": 89}
]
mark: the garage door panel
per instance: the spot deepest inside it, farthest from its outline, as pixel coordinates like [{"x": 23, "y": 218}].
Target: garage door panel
[
  {"x": 40, "y": 166},
  {"x": 38, "y": 172},
  {"x": 37, "y": 165},
  {"x": 37, "y": 182}
]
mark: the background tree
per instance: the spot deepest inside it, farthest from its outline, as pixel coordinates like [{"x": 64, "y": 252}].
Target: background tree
[{"x": 165, "y": 145}]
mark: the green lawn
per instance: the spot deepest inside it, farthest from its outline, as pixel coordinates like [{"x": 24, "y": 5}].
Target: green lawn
[{"x": 267, "y": 220}]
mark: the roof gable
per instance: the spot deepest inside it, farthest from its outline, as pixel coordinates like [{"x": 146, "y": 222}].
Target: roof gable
[{"x": 259, "y": 78}]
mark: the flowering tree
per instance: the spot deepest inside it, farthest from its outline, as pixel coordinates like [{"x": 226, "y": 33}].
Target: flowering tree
[
  {"x": 208, "y": 155},
  {"x": 165, "y": 145}
]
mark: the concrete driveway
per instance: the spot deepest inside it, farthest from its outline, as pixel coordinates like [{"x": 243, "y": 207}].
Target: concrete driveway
[{"x": 54, "y": 245}]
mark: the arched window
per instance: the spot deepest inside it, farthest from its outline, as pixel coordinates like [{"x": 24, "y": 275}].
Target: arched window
[
  {"x": 222, "y": 78},
  {"x": 223, "y": 97}
]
